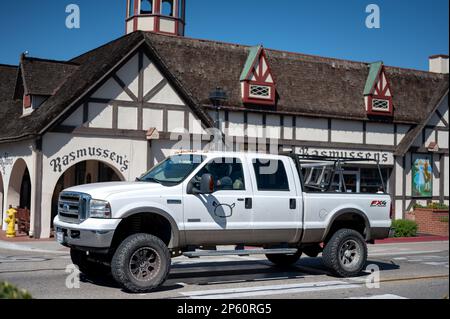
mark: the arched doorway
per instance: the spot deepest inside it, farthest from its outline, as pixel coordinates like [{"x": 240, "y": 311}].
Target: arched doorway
[
  {"x": 1, "y": 200},
  {"x": 19, "y": 189},
  {"x": 86, "y": 172}
]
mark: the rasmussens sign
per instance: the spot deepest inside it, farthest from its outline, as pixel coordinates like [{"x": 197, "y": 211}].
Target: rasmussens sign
[
  {"x": 384, "y": 158},
  {"x": 61, "y": 162}
]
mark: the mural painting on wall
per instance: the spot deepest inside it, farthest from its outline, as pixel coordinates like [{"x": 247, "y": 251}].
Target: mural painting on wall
[{"x": 422, "y": 175}]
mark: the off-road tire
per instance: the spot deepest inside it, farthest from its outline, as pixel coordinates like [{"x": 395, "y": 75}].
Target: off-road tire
[
  {"x": 88, "y": 267},
  {"x": 129, "y": 249},
  {"x": 333, "y": 258},
  {"x": 283, "y": 260}
]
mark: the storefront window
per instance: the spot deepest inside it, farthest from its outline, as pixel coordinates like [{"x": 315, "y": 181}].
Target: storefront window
[{"x": 371, "y": 181}]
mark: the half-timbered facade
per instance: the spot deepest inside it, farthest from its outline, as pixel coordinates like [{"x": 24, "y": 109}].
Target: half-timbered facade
[{"x": 114, "y": 112}]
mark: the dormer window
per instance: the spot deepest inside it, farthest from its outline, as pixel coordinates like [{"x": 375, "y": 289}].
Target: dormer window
[
  {"x": 378, "y": 93},
  {"x": 257, "y": 82},
  {"x": 146, "y": 6}
]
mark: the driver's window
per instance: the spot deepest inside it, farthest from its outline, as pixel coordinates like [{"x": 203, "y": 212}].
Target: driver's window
[{"x": 228, "y": 174}]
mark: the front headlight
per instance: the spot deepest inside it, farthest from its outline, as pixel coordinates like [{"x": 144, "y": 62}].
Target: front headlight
[{"x": 99, "y": 209}]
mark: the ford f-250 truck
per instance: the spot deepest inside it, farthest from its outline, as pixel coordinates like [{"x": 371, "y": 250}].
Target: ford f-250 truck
[{"x": 283, "y": 205}]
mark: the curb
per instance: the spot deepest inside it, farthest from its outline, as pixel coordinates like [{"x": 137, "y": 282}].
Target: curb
[
  {"x": 420, "y": 239},
  {"x": 20, "y": 247}
]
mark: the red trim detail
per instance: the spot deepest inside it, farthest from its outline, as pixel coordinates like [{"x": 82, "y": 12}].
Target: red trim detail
[
  {"x": 411, "y": 239},
  {"x": 27, "y": 101},
  {"x": 135, "y": 20},
  {"x": 380, "y": 94},
  {"x": 260, "y": 79}
]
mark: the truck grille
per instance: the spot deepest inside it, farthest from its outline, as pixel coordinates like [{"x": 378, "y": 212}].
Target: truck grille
[{"x": 73, "y": 207}]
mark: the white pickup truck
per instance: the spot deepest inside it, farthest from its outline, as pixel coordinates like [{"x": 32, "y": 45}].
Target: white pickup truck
[{"x": 282, "y": 205}]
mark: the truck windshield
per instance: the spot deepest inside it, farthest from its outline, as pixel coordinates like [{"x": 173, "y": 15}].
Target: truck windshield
[{"x": 173, "y": 170}]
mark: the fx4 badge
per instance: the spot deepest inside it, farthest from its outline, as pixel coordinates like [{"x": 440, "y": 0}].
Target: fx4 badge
[{"x": 378, "y": 203}]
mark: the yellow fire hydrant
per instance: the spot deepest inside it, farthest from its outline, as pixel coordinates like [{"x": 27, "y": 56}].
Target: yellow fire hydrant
[{"x": 11, "y": 221}]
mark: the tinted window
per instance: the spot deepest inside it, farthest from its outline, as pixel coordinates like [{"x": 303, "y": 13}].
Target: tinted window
[
  {"x": 227, "y": 173},
  {"x": 271, "y": 175}
]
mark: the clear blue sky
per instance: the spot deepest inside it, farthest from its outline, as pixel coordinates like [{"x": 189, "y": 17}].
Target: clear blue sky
[{"x": 411, "y": 30}]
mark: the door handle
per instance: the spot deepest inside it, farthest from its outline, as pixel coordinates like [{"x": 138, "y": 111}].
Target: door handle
[
  {"x": 293, "y": 203},
  {"x": 248, "y": 203}
]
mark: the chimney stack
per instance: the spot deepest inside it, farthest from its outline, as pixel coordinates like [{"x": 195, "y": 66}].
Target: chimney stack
[{"x": 439, "y": 63}]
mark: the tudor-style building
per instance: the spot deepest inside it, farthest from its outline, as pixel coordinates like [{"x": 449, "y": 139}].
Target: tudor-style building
[{"x": 113, "y": 112}]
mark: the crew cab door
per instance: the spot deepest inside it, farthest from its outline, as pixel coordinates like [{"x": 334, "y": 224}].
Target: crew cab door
[
  {"x": 225, "y": 216},
  {"x": 277, "y": 204}
]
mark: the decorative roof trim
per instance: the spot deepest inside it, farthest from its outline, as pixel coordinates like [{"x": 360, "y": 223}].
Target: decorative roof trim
[
  {"x": 252, "y": 60},
  {"x": 409, "y": 139},
  {"x": 374, "y": 75}
]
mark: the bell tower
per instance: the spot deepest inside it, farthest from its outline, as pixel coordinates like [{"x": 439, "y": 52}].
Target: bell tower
[{"x": 161, "y": 16}]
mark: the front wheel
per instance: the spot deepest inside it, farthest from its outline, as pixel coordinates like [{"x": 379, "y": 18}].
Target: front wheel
[
  {"x": 141, "y": 263},
  {"x": 283, "y": 260},
  {"x": 346, "y": 253}
]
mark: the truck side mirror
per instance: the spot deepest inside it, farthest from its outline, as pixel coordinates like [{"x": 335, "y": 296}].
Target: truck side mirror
[{"x": 207, "y": 184}]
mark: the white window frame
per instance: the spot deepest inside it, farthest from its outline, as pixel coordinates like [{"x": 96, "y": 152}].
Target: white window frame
[
  {"x": 253, "y": 96},
  {"x": 387, "y": 110}
]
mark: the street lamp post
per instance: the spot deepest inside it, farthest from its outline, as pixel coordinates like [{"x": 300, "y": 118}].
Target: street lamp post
[{"x": 218, "y": 97}]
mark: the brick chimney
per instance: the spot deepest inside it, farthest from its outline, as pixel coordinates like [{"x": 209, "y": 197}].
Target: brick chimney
[{"x": 439, "y": 63}]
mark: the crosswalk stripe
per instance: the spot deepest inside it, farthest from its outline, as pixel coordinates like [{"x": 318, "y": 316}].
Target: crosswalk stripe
[
  {"x": 269, "y": 290},
  {"x": 387, "y": 296},
  {"x": 406, "y": 253}
]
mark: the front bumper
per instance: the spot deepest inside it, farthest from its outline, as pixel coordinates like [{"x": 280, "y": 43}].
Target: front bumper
[{"x": 90, "y": 235}]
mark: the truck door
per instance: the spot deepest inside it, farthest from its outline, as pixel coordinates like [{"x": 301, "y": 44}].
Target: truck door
[
  {"x": 223, "y": 217},
  {"x": 276, "y": 204}
]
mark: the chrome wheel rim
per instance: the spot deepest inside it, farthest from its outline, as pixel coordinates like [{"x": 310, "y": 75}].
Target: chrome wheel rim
[
  {"x": 350, "y": 254},
  {"x": 144, "y": 264}
]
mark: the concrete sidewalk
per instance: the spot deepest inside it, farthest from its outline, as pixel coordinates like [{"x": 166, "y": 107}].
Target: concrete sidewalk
[{"x": 50, "y": 247}]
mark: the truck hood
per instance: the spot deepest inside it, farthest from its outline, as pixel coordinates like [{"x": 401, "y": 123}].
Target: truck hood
[{"x": 104, "y": 190}]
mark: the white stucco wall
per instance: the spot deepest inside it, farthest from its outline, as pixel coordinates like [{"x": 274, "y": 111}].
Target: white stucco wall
[
  {"x": 62, "y": 151},
  {"x": 100, "y": 115},
  {"x": 127, "y": 118},
  {"x": 153, "y": 118},
  {"x": 346, "y": 131},
  {"x": 311, "y": 129},
  {"x": 380, "y": 134}
]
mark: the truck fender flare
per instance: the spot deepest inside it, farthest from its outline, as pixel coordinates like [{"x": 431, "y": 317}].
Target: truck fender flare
[
  {"x": 348, "y": 211},
  {"x": 175, "y": 240}
]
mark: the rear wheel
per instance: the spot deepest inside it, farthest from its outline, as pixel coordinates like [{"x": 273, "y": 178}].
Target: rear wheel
[
  {"x": 283, "y": 260},
  {"x": 86, "y": 266},
  {"x": 346, "y": 253},
  {"x": 141, "y": 263}
]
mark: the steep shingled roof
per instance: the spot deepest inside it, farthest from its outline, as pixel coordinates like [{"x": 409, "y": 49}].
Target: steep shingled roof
[
  {"x": 43, "y": 77},
  {"x": 307, "y": 85},
  {"x": 8, "y": 75}
]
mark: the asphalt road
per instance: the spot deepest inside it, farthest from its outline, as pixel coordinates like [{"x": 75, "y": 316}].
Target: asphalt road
[{"x": 412, "y": 270}]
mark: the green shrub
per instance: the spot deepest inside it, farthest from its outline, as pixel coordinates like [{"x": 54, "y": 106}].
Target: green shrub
[
  {"x": 405, "y": 228},
  {"x": 437, "y": 205},
  {"x": 8, "y": 291},
  {"x": 444, "y": 219},
  {"x": 434, "y": 205}
]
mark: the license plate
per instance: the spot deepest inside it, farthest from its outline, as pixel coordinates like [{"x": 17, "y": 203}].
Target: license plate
[{"x": 60, "y": 237}]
